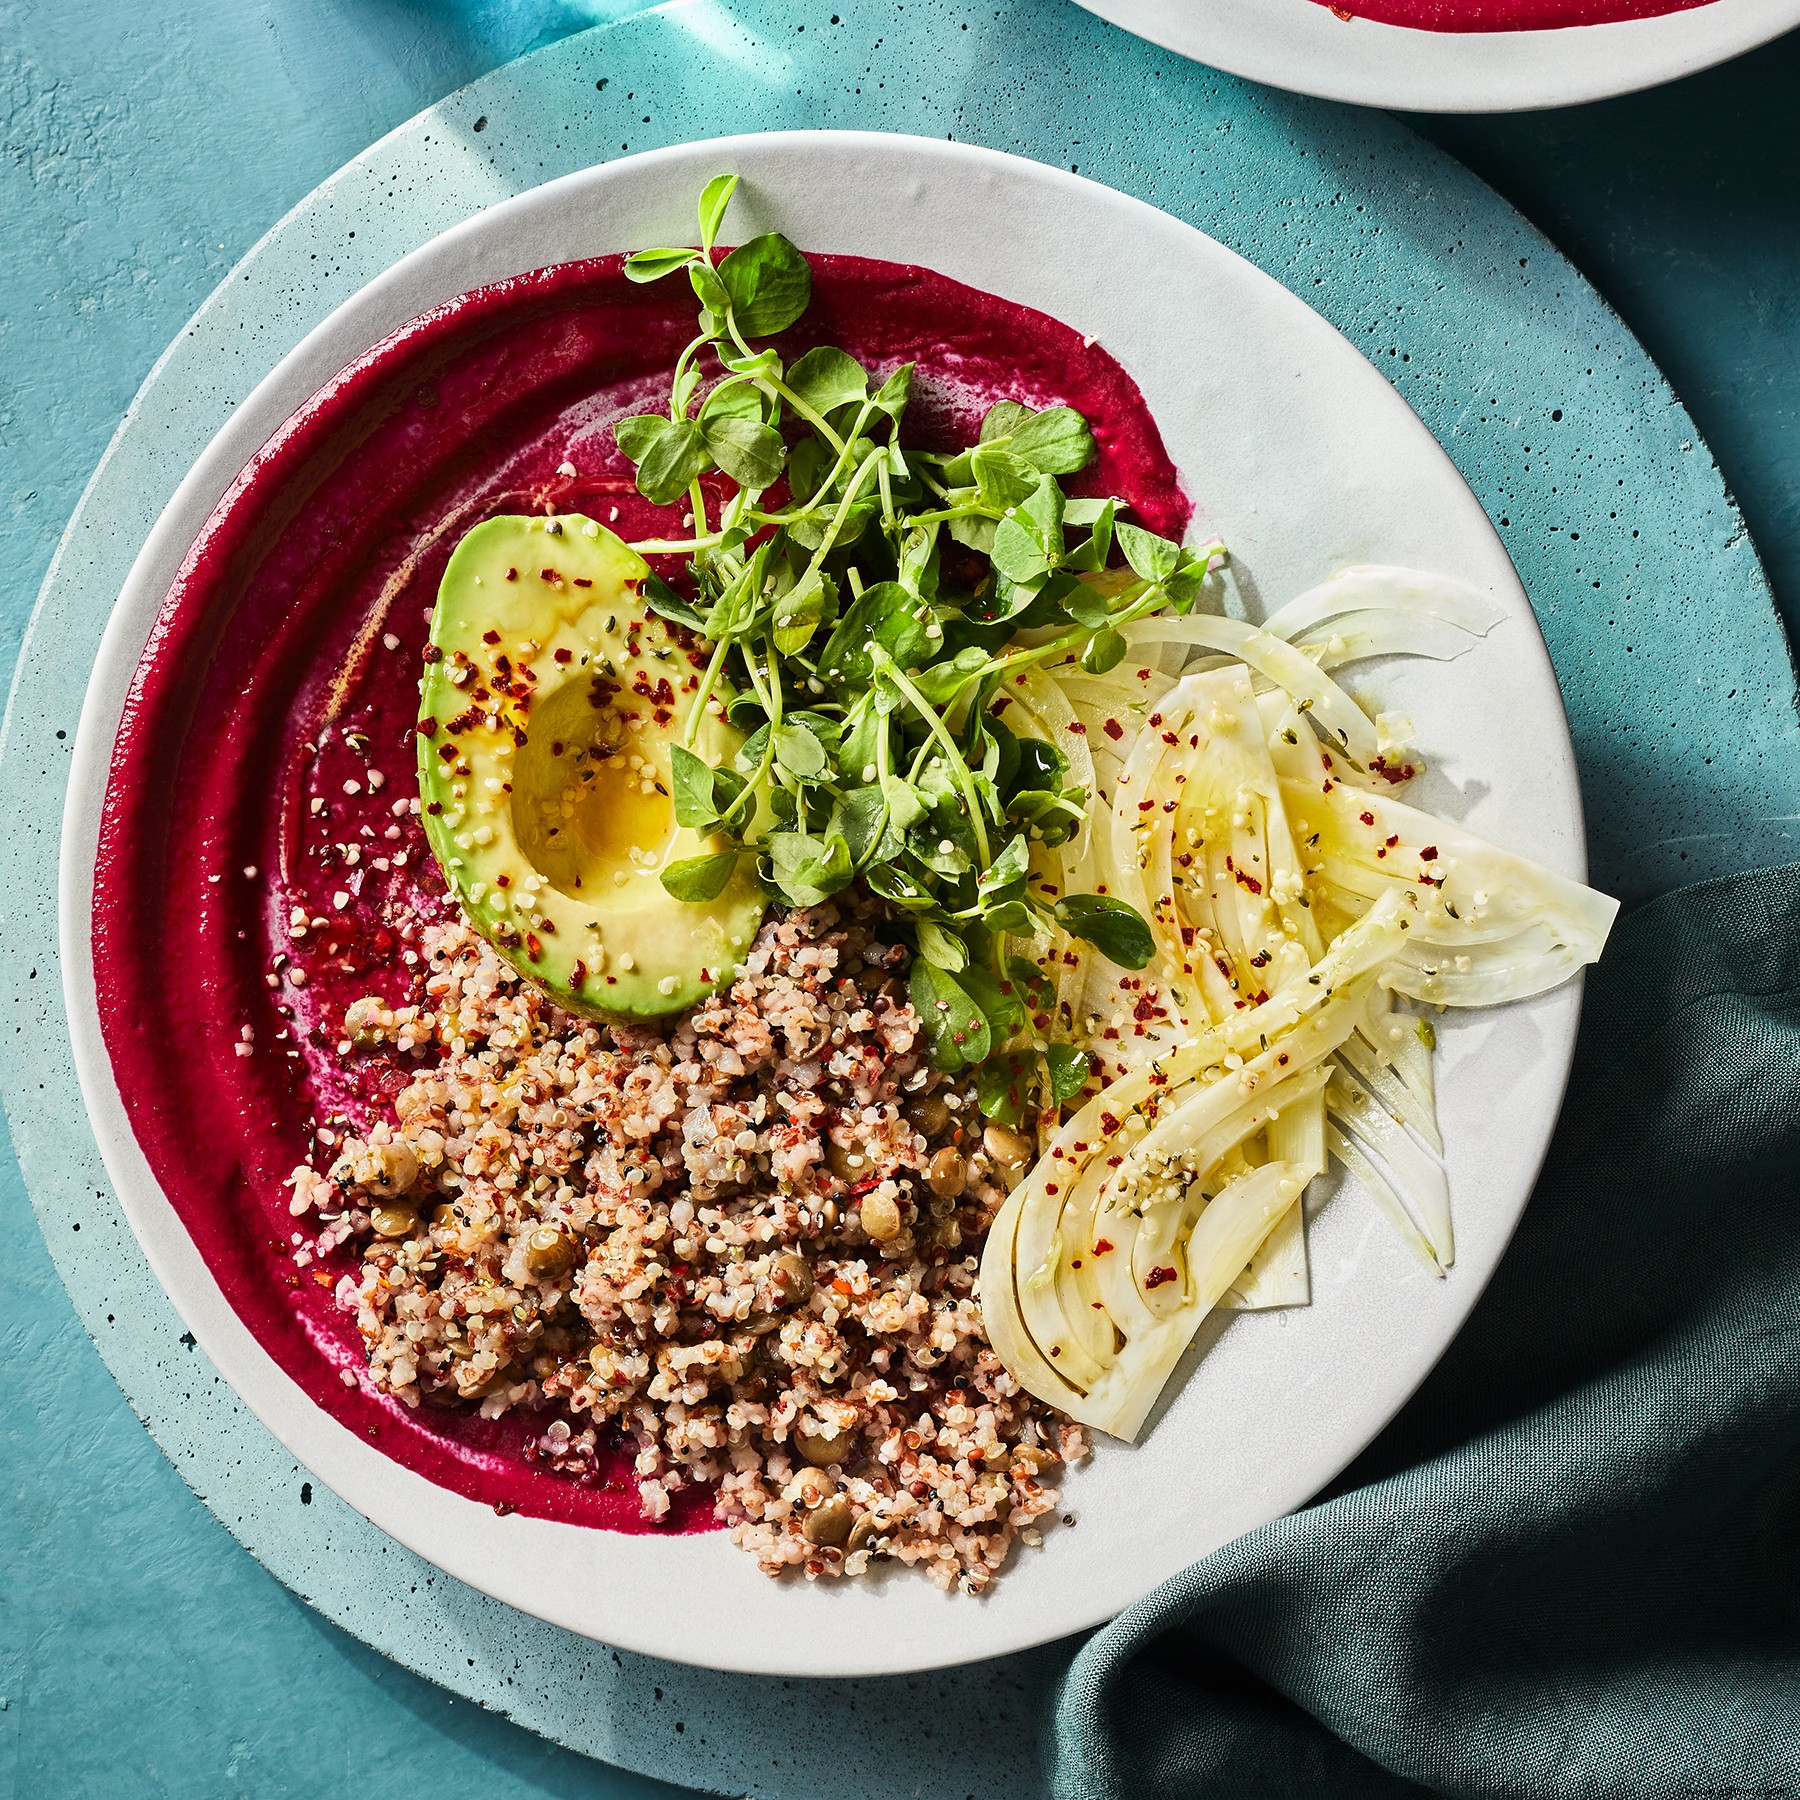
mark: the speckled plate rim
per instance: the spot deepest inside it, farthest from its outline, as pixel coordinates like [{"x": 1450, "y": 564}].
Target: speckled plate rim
[
  {"x": 697, "y": 1598},
  {"x": 1304, "y": 46}
]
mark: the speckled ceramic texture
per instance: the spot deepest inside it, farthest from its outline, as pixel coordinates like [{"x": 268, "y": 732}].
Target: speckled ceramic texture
[
  {"x": 1305, "y": 46},
  {"x": 1673, "y": 668}
]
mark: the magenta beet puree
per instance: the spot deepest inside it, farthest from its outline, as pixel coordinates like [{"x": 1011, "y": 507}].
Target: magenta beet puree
[
  {"x": 1505, "y": 15},
  {"x": 260, "y": 862}
]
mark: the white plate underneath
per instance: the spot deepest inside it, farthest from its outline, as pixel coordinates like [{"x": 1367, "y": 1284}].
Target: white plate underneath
[
  {"x": 1304, "y": 46},
  {"x": 1303, "y": 457}
]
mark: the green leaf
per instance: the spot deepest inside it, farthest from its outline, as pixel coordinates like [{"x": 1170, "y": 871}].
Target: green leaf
[
  {"x": 1105, "y": 650},
  {"x": 769, "y": 283},
  {"x": 1005, "y": 1084},
  {"x": 1003, "y": 478},
  {"x": 703, "y": 794},
  {"x": 1114, "y": 929},
  {"x": 1005, "y": 875},
  {"x": 1087, "y": 606},
  {"x": 998, "y": 1000},
  {"x": 669, "y": 605},
  {"x": 709, "y": 290},
  {"x": 808, "y": 870},
  {"x": 1083, "y": 511},
  {"x": 762, "y": 363},
  {"x": 653, "y": 265},
  {"x": 905, "y": 807},
  {"x": 734, "y": 400},
  {"x": 826, "y": 378},
  {"x": 797, "y": 616},
  {"x": 955, "y": 1032},
  {"x": 750, "y": 453},
  {"x": 891, "y": 397},
  {"x": 857, "y": 818},
  {"x": 700, "y": 877},
  {"x": 1018, "y": 554},
  {"x": 799, "y": 752},
  {"x": 941, "y": 948},
  {"x": 1151, "y": 557},
  {"x": 1056, "y": 442},
  {"x": 976, "y": 534},
  {"x": 1069, "y": 1071},
  {"x": 942, "y": 681},
  {"x": 715, "y": 197},
  {"x": 1042, "y": 514},
  {"x": 1003, "y": 418},
  {"x": 1041, "y": 764},
  {"x": 1012, "y": 917},
  {"x": 669, "y": 454},
  {"x": 1091, "y": 557}
]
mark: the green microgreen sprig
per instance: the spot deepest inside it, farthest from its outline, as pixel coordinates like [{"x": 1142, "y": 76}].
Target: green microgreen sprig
[{"x": 863, "y": 603}]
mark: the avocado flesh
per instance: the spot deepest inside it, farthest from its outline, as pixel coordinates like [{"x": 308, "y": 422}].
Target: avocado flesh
[{"x": 547, "y": 719}]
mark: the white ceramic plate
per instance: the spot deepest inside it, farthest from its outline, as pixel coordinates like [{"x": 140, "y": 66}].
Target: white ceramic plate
[
  {"x": 1304, "y": 46},
  {"x": 1304, "y": 458}
]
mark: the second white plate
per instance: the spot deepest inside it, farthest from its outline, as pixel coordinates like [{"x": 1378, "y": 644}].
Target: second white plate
[{"x": 1305, "y": 46}]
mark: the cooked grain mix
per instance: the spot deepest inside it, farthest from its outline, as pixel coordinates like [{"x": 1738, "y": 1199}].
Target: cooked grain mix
[{"x": 745, "y": 1242}]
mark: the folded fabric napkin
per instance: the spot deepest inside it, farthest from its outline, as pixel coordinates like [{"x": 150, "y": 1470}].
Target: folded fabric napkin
[{"x": 1571, "y": 1566}]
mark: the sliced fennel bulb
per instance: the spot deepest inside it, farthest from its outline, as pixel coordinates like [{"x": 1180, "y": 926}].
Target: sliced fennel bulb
[{"x": 1244, "y": 804}]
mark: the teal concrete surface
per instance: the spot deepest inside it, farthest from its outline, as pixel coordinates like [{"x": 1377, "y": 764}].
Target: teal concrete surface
[{"x": 147, "y": 147}]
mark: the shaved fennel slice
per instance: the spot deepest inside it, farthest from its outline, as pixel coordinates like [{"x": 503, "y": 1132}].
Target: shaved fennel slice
[
  {"x": 1358, "y": 636},
  {"x": 1418, "y": 1177},
  {"x": 1374, "y": 587},
  {"x": 1376, "y": 1059},
  {"x": 1277, "y": 661},
  {"x": 1487, "y": 925},
  {"x": 1380, "y": 1190},
  {"x": 1038, "y": 1271},
  {"x": 1280, "y": 1273},
  {"x": 1225, "y": 1236}
]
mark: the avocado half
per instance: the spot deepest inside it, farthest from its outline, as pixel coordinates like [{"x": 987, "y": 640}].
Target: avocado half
[{"x": 551, "y": 700}]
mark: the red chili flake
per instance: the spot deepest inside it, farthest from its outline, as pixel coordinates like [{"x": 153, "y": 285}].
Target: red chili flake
[
  {"x": 1157, "y": 1277},
  {"x": 1109, "y": 1032},
  {"x": 1145, "y": 805},
  {"x": 1170, "y": 738},
  {"x": 563, "y": 656},
  {"x": 557, "y": 748},
  {"x": 1102, "y": 1246},
  {"x": 434, "y": 807},
  {"x": 490, "y": 637},
  {"x": 1391, "y": 842},
  {"x": 1367, "y": 818},
  {"x": 1143, "y": 674},
  {"x": 433, "y": 653},
  {"x": 1079, "y": 729},
  {"x": 1281, "y": 1060},
  {"x": 1155, "y": 720},
  {"x": 426, "y": 728},
  {"x": 1341, "y": 12},
  {"x": 499, "y": 880},
  {"x": 1114, "y": 729},
  {"x": 1326, "y": 789},
  {"x": 583, "y": 581},
  {"x": 1049, "y": 1187},
  {"x": 1187, "y": 936},
  {"x": 1429, "y": 853},
  {"x": 512, "y": 574},
  {"x": 1074, "y": 1262},
  {"x": 533, "y": 948},
  {"x": 1260, "y": 960},
  {"x": 548, "y": 575},
  {"x": 448, "y": 752},
  {"x": 1109, "y": 1124}
]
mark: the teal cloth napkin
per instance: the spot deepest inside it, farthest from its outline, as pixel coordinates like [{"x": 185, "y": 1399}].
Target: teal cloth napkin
[{"x": 1571, "y": 1566}]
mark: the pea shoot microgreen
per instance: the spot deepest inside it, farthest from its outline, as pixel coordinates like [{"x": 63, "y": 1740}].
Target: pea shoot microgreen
[{"x": 863, "y": 603}]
